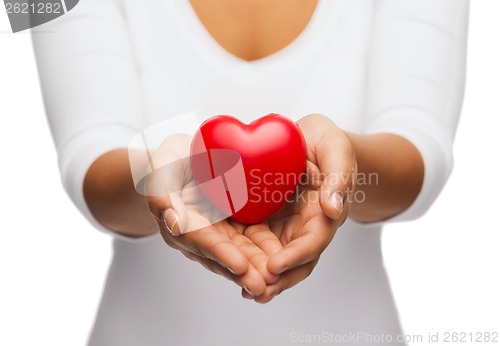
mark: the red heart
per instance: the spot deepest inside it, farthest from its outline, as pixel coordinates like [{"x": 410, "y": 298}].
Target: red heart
[{"x": 248, "y": 171}]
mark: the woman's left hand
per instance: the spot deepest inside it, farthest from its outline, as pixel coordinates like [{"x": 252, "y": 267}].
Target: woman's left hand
[{"x": 307, "y": 225}]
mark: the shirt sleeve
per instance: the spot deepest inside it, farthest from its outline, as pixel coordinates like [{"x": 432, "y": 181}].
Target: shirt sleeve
[
  {"x": 416, "y": 83},
  {"x": 91, "y": 89}
]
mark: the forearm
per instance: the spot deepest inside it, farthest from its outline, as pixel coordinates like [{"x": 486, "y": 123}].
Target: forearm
[
  {"x": 111, "y": 197},
  {"x": 390, "y": 176}
]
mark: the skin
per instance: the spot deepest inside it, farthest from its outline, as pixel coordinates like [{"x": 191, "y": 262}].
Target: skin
[
  {"x": 254, "y": 29},
  {"x": 267, "y": 258}
]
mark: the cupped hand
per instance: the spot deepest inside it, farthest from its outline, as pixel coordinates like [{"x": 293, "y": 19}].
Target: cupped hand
[
  {"x": 306, "y": 225},
  {"x": 189, "y": 223},
  {"x": 267, "y": 258}
]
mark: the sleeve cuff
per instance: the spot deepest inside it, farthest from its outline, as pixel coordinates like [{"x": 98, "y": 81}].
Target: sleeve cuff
[
  {"x": 77, "y": 155},
  {"x": 435, "y": 147}
]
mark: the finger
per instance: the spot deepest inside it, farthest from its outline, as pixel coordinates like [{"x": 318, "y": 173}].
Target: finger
[
  {"x": 245, "y": 294},
  {"x": 262, "y": 236},
  {"x": 251, "y": 281},
  {"x": 264, "y": 244},
  {"x": 318, "y": 233},
  {"x": 286, "y": 281},
  {"x": 257, "y": 257},
  {"x": 215, "y": 242}
]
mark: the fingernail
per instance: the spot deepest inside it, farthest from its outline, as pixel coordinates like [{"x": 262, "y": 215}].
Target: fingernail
[
  {"x": 171, "y": 221},
  {"x": 231, "y": 271},
  {"x": 284, "y": 269},
  {"x": 337, "y": 201},
  {"x": 248, "y": 291}
]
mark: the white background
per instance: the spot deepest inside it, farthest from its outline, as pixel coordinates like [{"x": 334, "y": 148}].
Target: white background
[{"x": 444, "y": 268}]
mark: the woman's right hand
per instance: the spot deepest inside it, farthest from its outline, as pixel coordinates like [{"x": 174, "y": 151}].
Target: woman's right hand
[{"x": 189, "y": 223}]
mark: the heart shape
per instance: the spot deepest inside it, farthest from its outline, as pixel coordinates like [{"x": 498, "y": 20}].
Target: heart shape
[{"x": 248, "y": 171}]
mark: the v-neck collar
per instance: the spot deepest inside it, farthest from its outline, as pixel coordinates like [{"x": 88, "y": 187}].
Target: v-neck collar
[{"x": 209, "y": 49}]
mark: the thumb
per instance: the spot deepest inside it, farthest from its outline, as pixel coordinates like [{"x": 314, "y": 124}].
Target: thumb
[
  {"x": 330, "y": 150},
  {"x": 169, "y": 213},
  {"x": 174, "y": 217},
  {"x": 337, "y": 164},
  {"x": 167, "y": 208}
]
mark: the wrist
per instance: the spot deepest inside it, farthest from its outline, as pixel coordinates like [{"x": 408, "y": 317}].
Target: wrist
[{"x": 390, "y": 176}]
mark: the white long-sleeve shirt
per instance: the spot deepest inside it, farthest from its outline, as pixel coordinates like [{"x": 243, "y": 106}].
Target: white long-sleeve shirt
[{"x": 110, "y": 68}]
